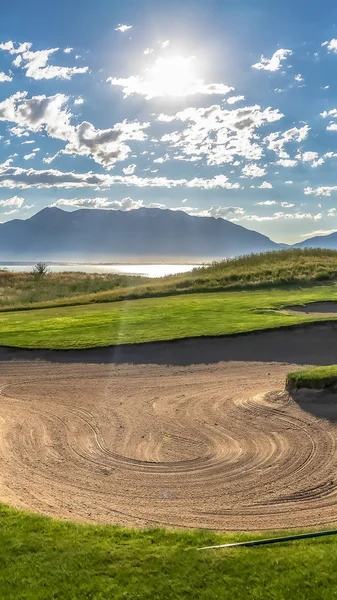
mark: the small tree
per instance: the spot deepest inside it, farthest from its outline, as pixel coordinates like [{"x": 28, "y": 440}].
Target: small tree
[{"x": 41, "y": 269}]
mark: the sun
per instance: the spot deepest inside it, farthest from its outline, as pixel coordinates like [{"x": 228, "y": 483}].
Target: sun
[{"x": 172, "y": 76}]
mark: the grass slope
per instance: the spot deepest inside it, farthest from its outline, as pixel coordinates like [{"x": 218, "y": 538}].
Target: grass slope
[
  {"x": 313, "y": 378},
  {"x": 156, "y": 319},
  {"x": 41, "y": 559},
  {"x": 267, "y": 270}
]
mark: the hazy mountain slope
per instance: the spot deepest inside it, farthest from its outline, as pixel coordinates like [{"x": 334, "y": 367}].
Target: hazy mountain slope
[
  {"x": 320, "y": 241},
  {"x": 98, "y": 234}
]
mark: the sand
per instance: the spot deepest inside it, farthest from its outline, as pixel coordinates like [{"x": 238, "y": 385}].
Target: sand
[{"x": 197, "y": 433}]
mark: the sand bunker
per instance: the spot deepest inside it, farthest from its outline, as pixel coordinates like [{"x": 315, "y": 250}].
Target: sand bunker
[
  {"x": 149, "y": 445},
  {"x": 315, "y": 308}
]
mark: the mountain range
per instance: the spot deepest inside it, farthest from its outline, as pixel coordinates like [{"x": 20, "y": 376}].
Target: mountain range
[
  {"x": 145, "y": 234},
  {"x": 142, "y": 234}
]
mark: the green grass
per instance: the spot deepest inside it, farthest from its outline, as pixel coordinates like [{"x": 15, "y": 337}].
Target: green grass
[
  {"x": 156, "y": 319},
  {"x": 272, "y": 269},
  {"x": 313, "y": 378},
  {"x": 42, "y": 559}
]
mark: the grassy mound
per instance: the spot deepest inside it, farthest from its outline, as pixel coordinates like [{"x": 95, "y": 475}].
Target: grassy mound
[
  {"x": 42, "y": 559},
  {"x": 314, "y": 378},
  {"x": 155, "y": 319},
  {"x": 271, "y": 269}
]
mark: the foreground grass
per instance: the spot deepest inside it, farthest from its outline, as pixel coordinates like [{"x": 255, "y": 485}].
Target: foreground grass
[
  {"x": 266, "y": 270},
  {"x": 313, "y": 378},
  {"x": 42, "y": 559},
  {"x": 157, "y": 319}
]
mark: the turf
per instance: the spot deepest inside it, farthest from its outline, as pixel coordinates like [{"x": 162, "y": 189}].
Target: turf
[
  {"x": 313, "y": 378},
  {"x": 155, "y": 319},
  {"x": 42, "y": 559}
]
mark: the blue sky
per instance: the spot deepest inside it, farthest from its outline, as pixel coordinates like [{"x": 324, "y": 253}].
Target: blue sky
[{"x": 224, "y": 109}]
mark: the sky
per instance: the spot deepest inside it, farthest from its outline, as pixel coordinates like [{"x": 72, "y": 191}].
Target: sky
[{"x": 223, "y": 109}]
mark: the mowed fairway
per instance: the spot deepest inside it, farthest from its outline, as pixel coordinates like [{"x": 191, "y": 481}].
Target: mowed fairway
[{"x": 154, "y": 319}]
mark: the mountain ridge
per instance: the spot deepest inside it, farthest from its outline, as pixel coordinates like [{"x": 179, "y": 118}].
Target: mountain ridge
[{"x": 53, "y": 233}]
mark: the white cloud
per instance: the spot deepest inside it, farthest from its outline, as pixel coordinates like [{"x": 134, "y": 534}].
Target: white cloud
[
  {"x": 15, "y": 201},
  {"x": 289, "y": 182},
  {"x": 277, "y": 140},
  {"x": 123, "y": 28},
  {"x": 286, "y": 162},
  {"x": 329, "y": 113},
  {"x": 35, "y": 63},
  {"x": 78, "y": 101},
  {"x": 148, "y": 50},
  {"x": 29, "y": 156},
  {"x": 27, "y": 142},
  {"x": 234, "y": 99},
  {"x": 19, "y": 131},
  {"x": 273, "y": 63},
  {"x": 168, "y": 77},
  {"x": 125, "y": 204},
  {"x": 68, "y": 50},
  {"x": 165, "y": 44},
  {"x": 48, "y": 113},
  {"x": 253, "y": 170},
  {"x": 318, "y": 232},
  {"x": 265, "y": 185},
  {"x": 162, "y": 159},
  {"x": 287, "y": 204},
  {"x": 332, "y": 127},
  {"x": 4, "y": 77},
  {"x": 105, "y": 146},
  {"x": 281, "y": 216},
  {"x": 266, "y": 203},
  {"x": 129, "y": 170},
  {"x": 16, "y": 177},
  {"x": 299, "y": 78},
  {"x": 332, "y": 45},
  {"x": 219, "y": 134},
  {"x": 324, "y": 190}
]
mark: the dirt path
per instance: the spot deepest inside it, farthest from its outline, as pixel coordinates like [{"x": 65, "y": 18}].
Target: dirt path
[{"x": 202, "y": 445}]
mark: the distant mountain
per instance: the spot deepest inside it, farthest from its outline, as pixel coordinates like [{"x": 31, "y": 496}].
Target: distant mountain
[
  {"x": 320, "y": 241},
  {"x": 146, "y": 233}
]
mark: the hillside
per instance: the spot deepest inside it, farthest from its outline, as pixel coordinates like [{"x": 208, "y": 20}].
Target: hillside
[
  {"x": 105, "y": 235},
  {"x": 299, "y": 267}
]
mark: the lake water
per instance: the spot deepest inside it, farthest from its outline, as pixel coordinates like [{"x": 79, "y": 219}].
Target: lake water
[{"x": 148, "y": 270}]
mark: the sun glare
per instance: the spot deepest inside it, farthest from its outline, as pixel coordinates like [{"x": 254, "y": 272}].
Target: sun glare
[{"x": 172, "y": 76}]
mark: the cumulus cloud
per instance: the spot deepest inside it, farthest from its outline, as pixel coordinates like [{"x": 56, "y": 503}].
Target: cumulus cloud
[
  {"x": 49, "y": 113},
  {"x": 253, "y": 170},
  {"x": 234, "y": 99},
  {"x": 35, "y": 63},
  {"x": 123, "y": 28},
  {"x": 4, "y": 77},
  {"x": 219, "y": 134},
  {"x": 129, "y": 170},
  {"x": 331, "y": 46},
  {"x": 323, "y": 190},
  {"x": 168, "y": 77},
  {"x": 266, "y": 203},
  {"x": 275, "y": 62},
  {"x": 105, "y": 146},
  {"x": 265, "y": 185},
  {"x": 14, "y": 201},
  {"x": 286, "y": 162},
  {"x": 276, "y": 141},
  {"x": 311, "y": 157},
  {"x": 67, "y": 50},
  {"x": 299, "y": 78}
]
